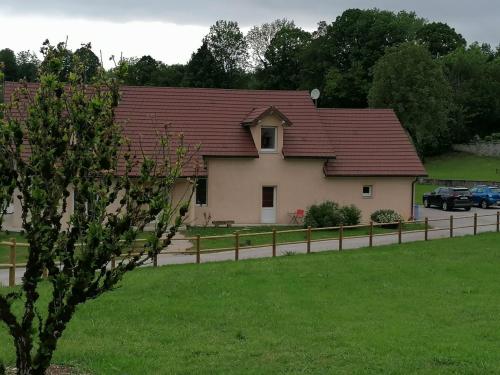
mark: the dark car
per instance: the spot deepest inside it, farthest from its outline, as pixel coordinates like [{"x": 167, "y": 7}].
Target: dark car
[
  {"x": 448, "y": 198},
  {"x": 485, "y": 196}
]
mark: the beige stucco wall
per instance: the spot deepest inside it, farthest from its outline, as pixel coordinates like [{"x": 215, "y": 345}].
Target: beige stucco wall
[
  {"x": 182, "y": 190},
  {"x": 235, "y": 186},
  {"x": 13, "y": 222}
]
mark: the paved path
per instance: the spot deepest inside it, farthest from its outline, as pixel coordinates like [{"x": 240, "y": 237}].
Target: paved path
[{"x": 460, "y": 219}]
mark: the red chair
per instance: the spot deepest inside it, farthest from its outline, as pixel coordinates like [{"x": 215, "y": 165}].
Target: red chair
[{"x": 297, "y": 216}]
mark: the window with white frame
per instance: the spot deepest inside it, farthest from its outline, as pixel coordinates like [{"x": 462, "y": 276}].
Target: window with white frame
[
  {"x": 268, "y": 138},
  {"x": 367, "y": 191}
]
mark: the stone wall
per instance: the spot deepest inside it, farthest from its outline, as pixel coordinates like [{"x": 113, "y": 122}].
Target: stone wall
[{"x": 480, "y": 148}]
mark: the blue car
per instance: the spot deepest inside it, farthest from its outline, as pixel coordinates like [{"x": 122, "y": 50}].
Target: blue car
[{"x": 485, "y": 196}]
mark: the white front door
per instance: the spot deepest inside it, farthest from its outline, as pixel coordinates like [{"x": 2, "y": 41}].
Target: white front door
[{"x": 268, "y": 210}]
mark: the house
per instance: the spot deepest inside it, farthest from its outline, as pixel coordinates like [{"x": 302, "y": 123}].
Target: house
[{"x": 264, "y": 154}]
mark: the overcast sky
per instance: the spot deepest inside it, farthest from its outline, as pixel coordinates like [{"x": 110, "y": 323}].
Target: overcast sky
[{"x": 171, "y": 30}]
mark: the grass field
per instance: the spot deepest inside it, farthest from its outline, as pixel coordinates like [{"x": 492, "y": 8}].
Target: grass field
[
  {"x": 419, "y": 308},
  {"x": 463, "y": 166},
  {"x": 266, "y": 239}
]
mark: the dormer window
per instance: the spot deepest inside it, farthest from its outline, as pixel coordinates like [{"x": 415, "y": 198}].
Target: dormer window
[{"x": 268, "y": 137}]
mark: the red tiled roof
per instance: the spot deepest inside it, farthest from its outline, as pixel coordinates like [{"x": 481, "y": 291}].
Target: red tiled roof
[
  {"x": 369, "y": 142},
  {"x": 212, "y": 118},
  {"x": 364, "y": 142}
]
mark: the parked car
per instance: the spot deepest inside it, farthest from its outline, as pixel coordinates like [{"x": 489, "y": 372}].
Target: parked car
[
  {"x": 448, "y": 198},
  {"x": 485, "y": 196}
]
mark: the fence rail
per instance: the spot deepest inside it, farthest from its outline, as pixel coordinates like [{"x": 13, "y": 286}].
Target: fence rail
[{"x": 13, "y": 245}]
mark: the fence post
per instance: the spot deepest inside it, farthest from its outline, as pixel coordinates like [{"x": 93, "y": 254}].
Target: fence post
[
  {"x": 113, "y": 262},
  {"x": 341, "y": 236},
  {"x": 399, "y": 232},
  {"x": 426, "y": 228},
  {"x": 45, "y": 273},
  {"x": 274, "y": 242},
  {"x": 498, "y": 221},
  {"x": 236, "y": 245},
  {"x": 198, "y": 254},
  {"x": 370, "y": 240},
  {"x": 451, "y": 226},
  {"x": 475, "y": 223},
  {"x": 308, "y": 239},
  {"x": 12, "y": 261}
]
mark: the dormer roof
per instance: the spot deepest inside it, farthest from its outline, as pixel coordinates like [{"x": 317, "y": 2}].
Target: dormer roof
[{"x": 257, "y": 114}]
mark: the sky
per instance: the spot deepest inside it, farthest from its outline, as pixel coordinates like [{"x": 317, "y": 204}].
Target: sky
[{"x": 171, "y": 30}]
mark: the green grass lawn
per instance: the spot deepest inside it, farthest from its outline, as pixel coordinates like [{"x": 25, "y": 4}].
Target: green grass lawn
[
  {"x": 463, "y": 166},
  {"x": 420, "y": 308},
  {"x": 266, "y": 239}
]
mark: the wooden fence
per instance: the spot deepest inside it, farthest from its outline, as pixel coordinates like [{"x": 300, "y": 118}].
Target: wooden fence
[{"x": 309, "y": 239}]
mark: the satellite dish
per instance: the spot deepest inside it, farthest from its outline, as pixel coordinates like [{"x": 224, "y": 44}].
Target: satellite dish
[{"x": 315, "y": 94}]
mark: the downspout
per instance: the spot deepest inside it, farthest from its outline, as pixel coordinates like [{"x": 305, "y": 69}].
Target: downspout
[{"x": 413, "y": 199}]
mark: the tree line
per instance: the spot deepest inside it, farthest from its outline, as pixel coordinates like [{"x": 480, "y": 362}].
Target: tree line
[{"x": 442, "y": 89}]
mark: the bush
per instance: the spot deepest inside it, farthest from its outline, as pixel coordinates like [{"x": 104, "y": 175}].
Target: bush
[
  {"x": 351, "y": 215},
  {"x": 330, "y": 214},
  {"x": 386, "y": 216},
  {"x": 326, "y": 214}
]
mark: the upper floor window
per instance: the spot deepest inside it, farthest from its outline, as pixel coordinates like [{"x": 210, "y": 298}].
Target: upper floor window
[{"x": 268, "y": 139}]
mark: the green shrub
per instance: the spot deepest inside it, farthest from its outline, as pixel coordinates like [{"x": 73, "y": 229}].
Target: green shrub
[
  {"x": 351, "y": 215},
  {"x": 330, "y": 214},
  {"x": 386, "y": 216},
  {"x": 326, "y": 214},
  {"x": 488, "y": 138}
]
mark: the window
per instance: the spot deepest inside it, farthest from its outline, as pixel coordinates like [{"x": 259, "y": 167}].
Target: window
[
  {"x": 201, "y": 191},
  {"x": 268, "y": 139},
  {"x": 367, "y": 191}
]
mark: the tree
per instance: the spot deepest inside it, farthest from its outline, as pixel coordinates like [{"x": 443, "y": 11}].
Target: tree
[
  {"x": 169, "y": 75},
  {"x": 57, "y": 60},
  {"x": 259, "y": 39},
  {"x": 8, "y": 64},
  {"x": 27, "y": 66},
  {"x": 203, "y": 70},
  {"x": 143, "y": 72},
  {"x": 409, "y": 81},
  {"x": 475, "y": 82},
  {"x": 229, "y": 48},
  {"x": 440, "y": 38},
  {"x": 76, "y": 146},
  {"x": 351, "y": 45},
  {"x": 86, "y": 57},
  {"x": 284, "y": 59}
]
